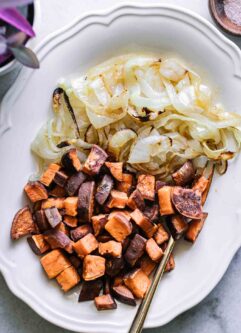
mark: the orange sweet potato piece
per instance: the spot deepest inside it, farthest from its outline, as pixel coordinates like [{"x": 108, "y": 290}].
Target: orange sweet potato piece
[
  {"x": 177, "y": 226},
  {"x": 138, "y": 282},
  {"x": 200, "y": 184},
  {"x": 165, "y": 202},
  {"x": 126, "y": 183},
  {"x": 144, "y": 223},
  {"x": 70, "y": 206},
  {"x": 136, "y": 200},
  {"x": 48, "y": 175},
  {"x": 119, "y": 226},
  {"x": 161, "y": 235},
  {"x": 116, "y": 169},
  {"x": 70, "y": 221},
  {"x": 194, "y": 228},
  {"x": 105, "y": 302},
  {"x": 111, "y": 248},
  {"x": 85, "y": 245},
  {"x": 53, "y": 202},
  {"x": 93, "y": 267},
  {"x": 68, "y": 278},
  {"x": 98, "y": 223},
  {"x": 146, "y": 185},
  {"x": 147, "y": 265},
  {"x": 22, "y": 224},
  {"x": 38, "y": 244},
  {"x": 81, "y": 231},
  {"x": 70, "y": 161},
  {"x": 54, "y": 263},
  {"x": 35, "y": 191},
  {"x": 117, "y": 199},
  {"x": 153, "y": 250},
  {"x": 95, "y": 160}
]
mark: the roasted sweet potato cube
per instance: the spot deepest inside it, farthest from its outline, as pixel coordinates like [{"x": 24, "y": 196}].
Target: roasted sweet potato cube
[
  {"x": 138, "y": 282},
  {"x": 200, "y": 184},
  {"x": 22, "y": 224},
  {"x": 74, "y": 182},
  {"x": 185, "y": 174},
  {"x": 70, "y": 221},
  {"x": 35, "y": 191},
  {"x": 111, "y": 249},
  {"x": 54, "y": 263},
  {"x": 70, "y": 206},
  {"x": 142, "y": 221},
  {"x": 124, "y": 295},
  {"x": 104, "y": 188},
  {"x": 85, "y": 245},
  {"x": 70, "y": 161},
  {"x": 53, "y": 202},
  {"x": 177, "y": 226},
  {"x": 86, "y": 201},
  {"x": 125, "y": 213},
  {"x": 160, "y": 184},
  {"x": 95, "y": 160},
  {"x": 147, "y": 265},
  {"x": 62, "y": 227},
  {"x": 153, "y": 250},
  {"x": 90, "y": 290},
  {"x": 93, "y": 267},
  {"x": 57, "y": 192},
  {"x": 58, "y": 239},
  {"x": 81, "y": 232},
  {"x": 152, "y": 213},
  {"x": 53, "y": 216},
  {"x": 170, "y": 264},
  {"x": 126, "y": 183},
  {"x": 114, "y": 266},
  {"x": 146, "y": 185},
  {"x": 48, "y": 175},
  {"x": 136, "y": 200},
  {"x": 68, "y": 278},
  {"x": 116, "y": 169},
  {"x": 119, "y": 227},
  {"x": 105, "y": 302},
  {"x": 38, "y": 244},
  {"x": 161, "y": 235},
  {"x": 117, "y": 199},
  {"x": 98, "y": 223},
  {"x": 60, "y": 178},
  {"x": 165, "y": 201},
  {"x": 194, "y": 228},
  {"x": 135, "y": 249}
]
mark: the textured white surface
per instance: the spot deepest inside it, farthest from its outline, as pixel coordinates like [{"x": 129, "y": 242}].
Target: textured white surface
[{"x": 212, "y": 319}]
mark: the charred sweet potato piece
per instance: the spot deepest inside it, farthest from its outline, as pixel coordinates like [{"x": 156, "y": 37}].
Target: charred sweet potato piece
[
  {"x": 153, "y": 250},
  {"x": 126, "y": 183},
  {"x": 135, "y": 249},
  {"x": 118, "y": 226},
  {"x": 62, "y": 227},
  {"x": 117, "y": 199},
  {"x": 68, "y": 278},
  {"x": 74, "y": 182},
  {"x": 85, "y": 245},
  {"x": 165, "y": 202},
  {"x": 75, "y": 261},
  {"x": 93, "y": 267},
  {"x": 146, "y": 185},
  {"x": 177, "y": 226},
  {"x": 200, "y": 184},
  {"x": 35, "y": 191},
  {"x": 136, "y": 200},
  {"x": 138, "y": 282},
  {"x": 110, "y": 249},
  {"x": 22, "y": 224},
  {"x": 86, "y": 201},
  {"x": 70, "y": 206},
  {"x": 105, "y": 302},
  {"x": 57, "y": 192},
  {"x": 48, "y": 175},
  {"x": 152, "y": 213},
  {"x": 104, "y": 237},
  {"x": 98, "y": 223},
  {"x": 124, "y": 295},
  {"x": 187, "y": 202},
  {"x": 161, "y": 235},
  {"x": 160, "y": 184},
  {"x": 184, "y": 175},
  {"x": 114, "y": 266},
  {"x": 60, "y": 178},
  {"x": 125, "y": 213},
  {"x": 90, "y": 290},
  {"x": 53, "y": 202},
  {"x": 116, "y": 169},
  {"x": 194, "y": 228},
  {"x": 53, "y": 216},
  {"x": 106, "y": 285},
  {"x": 58, "y": 240},
  {"x": 147, "y": 265},
  {"x": 170, "y": 264},
  {"x": 144, "y": 223},
  {"x": 104, "y": 189},
  {"x": 95, "y": 160},
  {"x": 70, "y": 221},
  {"x": 38, "y": 244},
  {"x": 70, "y": 160},
  {"x": 54, "y": 263},
  {"x": 118, "y": 281}
]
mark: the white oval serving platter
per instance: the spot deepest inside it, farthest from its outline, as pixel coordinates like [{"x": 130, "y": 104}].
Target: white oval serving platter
[{"x": 87, "y": 41}]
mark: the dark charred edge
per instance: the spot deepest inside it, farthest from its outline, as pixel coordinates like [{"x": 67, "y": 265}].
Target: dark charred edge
[{"x": 63, "y": 144}]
